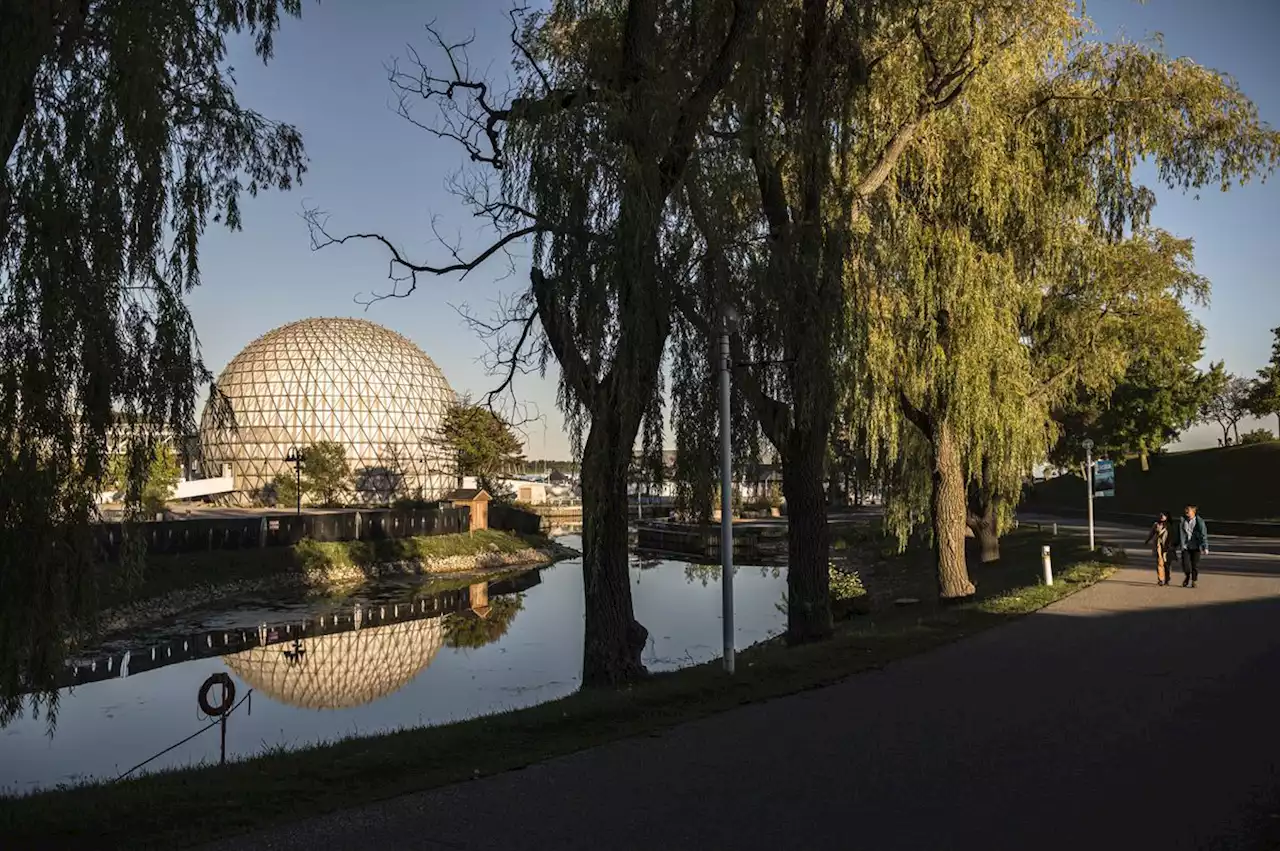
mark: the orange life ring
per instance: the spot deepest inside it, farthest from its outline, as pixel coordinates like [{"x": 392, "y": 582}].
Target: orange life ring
[{"x": 228, "y": 695}]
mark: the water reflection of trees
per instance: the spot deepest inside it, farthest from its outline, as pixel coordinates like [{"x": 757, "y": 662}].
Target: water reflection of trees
[
  {"x": 708, "y": 573},
  {"x": 479, "y": 627}
]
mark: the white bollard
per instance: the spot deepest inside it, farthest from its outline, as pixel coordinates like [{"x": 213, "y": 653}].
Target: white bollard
[
  {"x": 1048, "y": 565},
  {"x": 1055, "y": 530}
]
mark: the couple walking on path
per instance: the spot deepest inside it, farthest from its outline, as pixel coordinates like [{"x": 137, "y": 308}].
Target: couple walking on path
[{"x": 1187, "y": 538}]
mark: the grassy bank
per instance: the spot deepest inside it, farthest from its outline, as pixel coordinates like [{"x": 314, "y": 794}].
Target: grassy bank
[
  {"x": 308, "y": 562},
  {"x": 190, "y": 805},
  {"x": 1229, "y": 483},
  {"x": 313, "y": 555}
]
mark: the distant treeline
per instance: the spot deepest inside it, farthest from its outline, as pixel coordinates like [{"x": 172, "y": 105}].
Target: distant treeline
[{"x": 540, "y": 466}]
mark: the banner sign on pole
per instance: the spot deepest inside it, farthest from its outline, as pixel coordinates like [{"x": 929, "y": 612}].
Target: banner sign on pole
[{"x": 1104, "y": 478}]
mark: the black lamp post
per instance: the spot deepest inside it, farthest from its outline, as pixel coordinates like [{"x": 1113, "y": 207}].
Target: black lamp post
[{"x": 295, "y": 458}]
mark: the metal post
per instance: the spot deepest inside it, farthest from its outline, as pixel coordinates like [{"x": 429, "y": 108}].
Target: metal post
[
  {"x": 1088, "y": 470},
  {"x": 726, "y": 502},
  {"x": 1055, "y": 530},
  {"x": 1047, "y": 564}
]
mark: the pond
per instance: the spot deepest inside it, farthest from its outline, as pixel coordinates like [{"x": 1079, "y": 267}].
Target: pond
[{"x": 395, "y": 654}]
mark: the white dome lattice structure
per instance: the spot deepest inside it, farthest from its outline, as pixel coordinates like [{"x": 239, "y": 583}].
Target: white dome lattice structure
[
  {"x": 344, "y": 669},
  {"x": 348, "y": 381}
]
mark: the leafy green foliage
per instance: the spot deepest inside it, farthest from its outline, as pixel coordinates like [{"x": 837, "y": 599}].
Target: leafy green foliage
[
  {"x": 1012, "y": 265},
  {"x": 120, "y": 139},
  {"x": 162, "y": 476},
  {"x": 1264, "y": 396},
  {"x": 483, "y": 442},
  {"x": 1226, "y": 400},
  {"x": 284, "y": 490},
  {"x": 846, "y": 584},
  {"x": 1159, "y": 396},
  {"x": 326, "y": 474},
  {"x": 1259, "y": 435}
]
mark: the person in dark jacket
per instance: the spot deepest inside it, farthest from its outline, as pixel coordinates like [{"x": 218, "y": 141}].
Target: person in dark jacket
[
  {"x": 1159, "y": 540},
  {"x": 1192, "y": 543}
]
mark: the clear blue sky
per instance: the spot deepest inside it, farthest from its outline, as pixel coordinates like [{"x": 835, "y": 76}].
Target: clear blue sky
[{"x": 372, "y": 171}]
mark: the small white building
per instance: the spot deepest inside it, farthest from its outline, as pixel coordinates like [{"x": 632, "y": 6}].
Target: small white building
[{"x": 530, "y": 492}]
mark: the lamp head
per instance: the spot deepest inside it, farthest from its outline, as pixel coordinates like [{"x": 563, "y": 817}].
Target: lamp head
[{"x": 729, "y": 317}]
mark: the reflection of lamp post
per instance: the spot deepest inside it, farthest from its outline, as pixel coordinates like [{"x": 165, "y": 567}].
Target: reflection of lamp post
[
  {"x": 294, "y": 656},
  {"x": 728, "y": 323},
  {"x": 295, "y": 458}
]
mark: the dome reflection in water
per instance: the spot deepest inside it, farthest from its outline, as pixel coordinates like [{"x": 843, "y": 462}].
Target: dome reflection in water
[{"x": 414, "y": 660}]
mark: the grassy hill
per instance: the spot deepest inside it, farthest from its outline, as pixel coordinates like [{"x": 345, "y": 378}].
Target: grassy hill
[{"x": 1231, "y": 483}]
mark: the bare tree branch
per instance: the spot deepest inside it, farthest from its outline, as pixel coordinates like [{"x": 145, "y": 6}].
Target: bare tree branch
[
  {"x": 509, "y": 354},
  {"x": 400, "y": 268}
]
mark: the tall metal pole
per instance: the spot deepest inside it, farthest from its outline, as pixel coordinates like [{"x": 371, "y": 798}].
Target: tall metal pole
[
  {"x": 726, "y": 501},
  {"x": 1088, "y": 477}
]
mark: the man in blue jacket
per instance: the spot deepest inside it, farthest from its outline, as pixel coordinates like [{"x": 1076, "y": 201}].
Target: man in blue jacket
[{"x": 1192, "y": 542}]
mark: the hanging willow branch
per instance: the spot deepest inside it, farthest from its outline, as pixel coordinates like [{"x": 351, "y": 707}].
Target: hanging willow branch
[{"x": 120, "y": 138}]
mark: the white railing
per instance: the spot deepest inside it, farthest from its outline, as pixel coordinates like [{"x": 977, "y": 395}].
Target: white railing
[{"x": 187, "y": 489}]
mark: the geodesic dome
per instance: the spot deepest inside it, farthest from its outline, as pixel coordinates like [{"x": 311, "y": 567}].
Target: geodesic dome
[{"x": 346, "y": 381}]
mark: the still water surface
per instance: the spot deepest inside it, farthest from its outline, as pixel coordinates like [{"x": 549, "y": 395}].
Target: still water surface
[{"x": 416, "y": 659}]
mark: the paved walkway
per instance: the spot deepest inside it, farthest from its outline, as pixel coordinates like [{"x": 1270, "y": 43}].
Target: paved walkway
[{"x": 1126, "y": 717}]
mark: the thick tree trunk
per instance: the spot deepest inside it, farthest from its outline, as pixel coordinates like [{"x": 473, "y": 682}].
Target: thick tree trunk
[
  {"x": 982, "y": 520},
  {"x": 1144, "y": 457},
  {"x": 612, "y": 639},
  {"x": 949, "y": 516},
  {"x": 808, "y": 583}
]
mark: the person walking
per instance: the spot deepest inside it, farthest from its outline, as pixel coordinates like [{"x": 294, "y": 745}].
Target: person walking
[
  {"x": 1193, "y": 542},
  {"x": 1158, "y": 540}
]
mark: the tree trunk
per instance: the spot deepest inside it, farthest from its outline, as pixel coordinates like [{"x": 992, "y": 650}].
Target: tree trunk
[
  {"x": 1235, "y": 426},
  {"x": 612, "y": 638},
  {"x": 949, "y": 516},
  {"x": 808, "y": 582},
  {"x": 1143, "y": 456},
  {"x": 982, "y": 520},
  {"x": 1278, "y": 424}
]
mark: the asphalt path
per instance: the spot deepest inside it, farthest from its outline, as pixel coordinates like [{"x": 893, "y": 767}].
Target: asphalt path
[{"x": 1126, "y": 717}]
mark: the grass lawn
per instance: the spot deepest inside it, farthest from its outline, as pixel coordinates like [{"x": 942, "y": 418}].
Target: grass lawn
[
  {"x": 166, "y": 574},
  {"x": 213, "y": 803},
  {"x": 1229, "y": 483}
]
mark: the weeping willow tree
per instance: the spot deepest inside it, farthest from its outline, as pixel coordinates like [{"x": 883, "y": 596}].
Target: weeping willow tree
[
  {"x": 120, "y": 138},
  {"x": 588, "y": 153},
  {"x": 834, "y": 95},
  {"x": 1011, "y": 263}
]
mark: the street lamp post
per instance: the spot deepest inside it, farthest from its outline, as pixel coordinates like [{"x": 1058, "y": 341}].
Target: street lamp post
[
  {"x": 1088, "y": 478},
  {"x": 728, "y": 318},
  {"x": 295, "y": 458}
]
